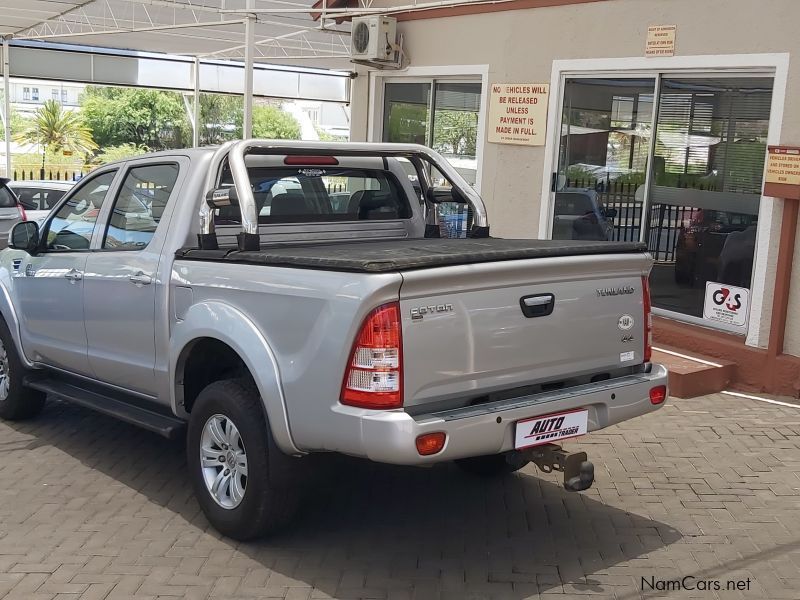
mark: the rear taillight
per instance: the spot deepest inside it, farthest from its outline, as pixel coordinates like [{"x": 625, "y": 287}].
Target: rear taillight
[
  {"x": 648, "y": 319},
  {"x": 22, "y": 214},
  {"x": 374, "y": 374},
  {"x": 658, "y": 394}
]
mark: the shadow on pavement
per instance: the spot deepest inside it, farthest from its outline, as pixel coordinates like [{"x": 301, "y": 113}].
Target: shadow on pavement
[{"x": 368, "y": 528}]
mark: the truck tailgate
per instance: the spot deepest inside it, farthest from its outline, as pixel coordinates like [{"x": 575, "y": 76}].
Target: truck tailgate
[{"x": 466, "y": 333}]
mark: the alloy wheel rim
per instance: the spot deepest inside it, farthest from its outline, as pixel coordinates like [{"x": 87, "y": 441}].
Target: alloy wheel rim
[
  {"x": 223, "y": 461},
  {"x": 5, "y": 373}
]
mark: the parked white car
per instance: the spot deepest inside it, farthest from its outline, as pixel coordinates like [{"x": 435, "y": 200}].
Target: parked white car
[{"x": 38, "y": 197}]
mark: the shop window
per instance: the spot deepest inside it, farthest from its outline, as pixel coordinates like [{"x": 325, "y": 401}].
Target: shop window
[
  {"x": 443, "y": 115},
  {"x": 26, "y": 93},
  {"x": 35, "y": 94}
]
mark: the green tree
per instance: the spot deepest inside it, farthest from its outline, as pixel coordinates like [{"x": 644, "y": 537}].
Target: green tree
[
  {"x": 219, "y": 117},
  {"x": 272, "y": 123},
  {"x": 57, "y": 130},
  {"x": 455, "y": 132},
  {"x": 153, "y": 118},
  {"x": 121, "y": 152}
]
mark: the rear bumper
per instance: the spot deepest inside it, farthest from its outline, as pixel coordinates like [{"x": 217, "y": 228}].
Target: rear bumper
[{"x": 389, "y": 436}]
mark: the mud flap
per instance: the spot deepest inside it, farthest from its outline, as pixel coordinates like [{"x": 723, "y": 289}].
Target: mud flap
[{"x": 578, "y": 471}]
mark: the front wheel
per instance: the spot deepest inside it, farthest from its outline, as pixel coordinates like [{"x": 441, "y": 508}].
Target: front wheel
[
  {"x": 243, "y": 482},
  {"x": 16, "y": 401},
  {"x": 493, "y": 465}
]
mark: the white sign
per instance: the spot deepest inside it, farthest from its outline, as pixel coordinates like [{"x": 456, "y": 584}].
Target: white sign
[
  {"x": 551, "y": 428},
  {"x": 660, "y": 40},
  {"x": 726, "y": 304},
  {"x": 518, "y": 113}
]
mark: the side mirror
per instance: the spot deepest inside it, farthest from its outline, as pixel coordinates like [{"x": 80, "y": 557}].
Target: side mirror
[
  {"x": 440, "y": 194},
  {"x": 25, "y": 236},
  {"x": 611, "y": 213}
]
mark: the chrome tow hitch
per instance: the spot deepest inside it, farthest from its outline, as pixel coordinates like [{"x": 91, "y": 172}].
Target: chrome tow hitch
[{"x": 578, "y": 471}]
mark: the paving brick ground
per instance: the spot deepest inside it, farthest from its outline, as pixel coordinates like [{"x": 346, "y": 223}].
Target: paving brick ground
[{"x": 707, "y": 488}]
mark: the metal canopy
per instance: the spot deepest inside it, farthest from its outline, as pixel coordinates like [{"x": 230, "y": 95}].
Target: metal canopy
[{"x": 282, "y": 30}]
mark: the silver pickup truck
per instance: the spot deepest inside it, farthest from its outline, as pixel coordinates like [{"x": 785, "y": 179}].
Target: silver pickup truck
[{"x": 269, "y": 300}]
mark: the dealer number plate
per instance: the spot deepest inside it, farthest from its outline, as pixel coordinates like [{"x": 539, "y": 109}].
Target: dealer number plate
[{"x": 551, "y": 429}]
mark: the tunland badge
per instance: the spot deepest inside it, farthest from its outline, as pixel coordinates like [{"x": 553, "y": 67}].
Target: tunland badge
[
  {"x": 420, "y": 311},
  {"x": 615, "y": 291}
]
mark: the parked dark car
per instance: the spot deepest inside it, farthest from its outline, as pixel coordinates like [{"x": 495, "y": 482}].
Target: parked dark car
[
  {"x": 703, "y": 254},
  {"x": 579, "y": 215}
]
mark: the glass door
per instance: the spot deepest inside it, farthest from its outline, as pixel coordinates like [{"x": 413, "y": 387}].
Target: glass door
[
  {"x": 599, "y": 186},
  {"x": 708, "y": 163}
]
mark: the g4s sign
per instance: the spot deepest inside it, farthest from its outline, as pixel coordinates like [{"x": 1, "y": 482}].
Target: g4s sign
[
  {"x": 726, "y": 304},
  {"x": 724, "y": 297}
]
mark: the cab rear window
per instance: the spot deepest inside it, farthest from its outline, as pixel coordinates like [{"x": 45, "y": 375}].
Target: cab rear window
[{"x": 311, "y": 194}]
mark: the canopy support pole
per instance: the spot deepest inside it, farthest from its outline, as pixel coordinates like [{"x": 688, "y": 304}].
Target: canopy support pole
[
  {"x": 249, "y": 48},
  {"x": 196, "y": 111},
  {"x": 7, "y": 105}
]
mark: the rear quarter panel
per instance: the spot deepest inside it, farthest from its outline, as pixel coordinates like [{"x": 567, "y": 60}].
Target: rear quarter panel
[{"x": 309, "y": 319}]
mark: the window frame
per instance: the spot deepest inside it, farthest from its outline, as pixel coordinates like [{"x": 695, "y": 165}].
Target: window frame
[
  {"x": 43, "y": 249},
  {"x": 106, "y": 217},
  {"x": 431, "y": 74}
]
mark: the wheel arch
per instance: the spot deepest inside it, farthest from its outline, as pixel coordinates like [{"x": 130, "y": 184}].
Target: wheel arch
[{"x": 226, "y": 333}]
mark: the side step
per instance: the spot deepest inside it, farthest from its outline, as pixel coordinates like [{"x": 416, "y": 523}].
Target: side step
[{"x": 164, "y": 425}]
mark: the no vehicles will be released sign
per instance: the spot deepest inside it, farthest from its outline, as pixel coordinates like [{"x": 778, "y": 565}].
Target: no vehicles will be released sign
[{"x": 518, "y": 113}]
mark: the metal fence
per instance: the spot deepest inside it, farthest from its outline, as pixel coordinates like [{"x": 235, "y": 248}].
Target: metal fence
[
  {"x": 664, "y": 221},
  {"x": 50, "y": 174}
]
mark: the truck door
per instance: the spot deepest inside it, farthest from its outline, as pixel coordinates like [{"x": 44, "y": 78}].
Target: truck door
[
  {"x": 122, "y": 284},
  {"x": 49, "y": 287}
]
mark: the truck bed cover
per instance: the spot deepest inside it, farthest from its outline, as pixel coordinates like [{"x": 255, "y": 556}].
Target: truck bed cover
[{"x": 400, "y": 255}]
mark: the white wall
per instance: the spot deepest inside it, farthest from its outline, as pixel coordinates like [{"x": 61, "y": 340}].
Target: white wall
[{"x": 520, "y": 46}]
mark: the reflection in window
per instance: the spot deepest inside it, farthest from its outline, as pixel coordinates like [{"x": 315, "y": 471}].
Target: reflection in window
[
  {"x": 711, "y": 143},
  {"x": 72, "y": 226},
  {"x": 444, "y": 116},
  {"x": 139, "y": 206}
]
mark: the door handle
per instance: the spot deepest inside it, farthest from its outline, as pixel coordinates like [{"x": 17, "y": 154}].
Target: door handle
[
  {"x": 538, "y": 305},
  {"x": 140, "y": 278},
  {"x": 73, "y": 275}
]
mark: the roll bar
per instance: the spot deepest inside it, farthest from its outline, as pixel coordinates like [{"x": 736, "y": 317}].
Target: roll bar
[{"x": 236, "y": 151}]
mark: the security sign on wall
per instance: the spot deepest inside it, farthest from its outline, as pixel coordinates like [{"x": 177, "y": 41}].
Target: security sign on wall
[{"x": 726, "y": 304}]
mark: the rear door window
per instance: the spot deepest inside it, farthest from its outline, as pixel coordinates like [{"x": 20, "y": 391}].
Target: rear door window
[
  {"x": 296, "y": 195},
  {"x": 139, "y": 206}
]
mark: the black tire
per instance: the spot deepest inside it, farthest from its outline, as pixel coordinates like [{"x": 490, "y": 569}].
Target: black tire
[
  {"x": 20, "y": 402},
  {"x": 493, "y": 465},
  {"x": 271, "y": 495}
]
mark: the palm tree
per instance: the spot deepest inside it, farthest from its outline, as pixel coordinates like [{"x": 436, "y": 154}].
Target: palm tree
[{"x": 58, "y": 130}]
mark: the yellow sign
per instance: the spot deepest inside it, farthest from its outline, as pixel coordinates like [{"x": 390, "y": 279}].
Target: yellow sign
[
  {"x": 660, "y": 40},
  {"x": 783, "y": 166},
  {"x": 518, "y": 113}
]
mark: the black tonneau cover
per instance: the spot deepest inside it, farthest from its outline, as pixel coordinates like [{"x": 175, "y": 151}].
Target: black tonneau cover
[{"x": 401, "y": 255}]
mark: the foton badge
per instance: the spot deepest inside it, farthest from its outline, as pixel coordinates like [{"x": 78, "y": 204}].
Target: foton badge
[{"x": 419, "y": 312}]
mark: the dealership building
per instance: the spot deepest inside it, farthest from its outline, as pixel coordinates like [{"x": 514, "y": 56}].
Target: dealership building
[
  {"x": 654, "y": 127},
  {"x": 649, "y": 121}
]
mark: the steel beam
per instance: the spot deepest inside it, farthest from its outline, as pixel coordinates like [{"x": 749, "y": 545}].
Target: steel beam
[{"x": 7, "y": 105}]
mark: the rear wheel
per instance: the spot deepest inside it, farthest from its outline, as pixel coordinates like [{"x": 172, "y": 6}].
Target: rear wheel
[
  {"x": 243, "y": 482},
  {"x": 493, "y": 465},
  {"x": 16, "y": 401}
]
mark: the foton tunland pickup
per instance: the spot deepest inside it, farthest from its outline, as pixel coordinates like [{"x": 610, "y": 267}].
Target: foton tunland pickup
[{"x": 276, "y": 299}]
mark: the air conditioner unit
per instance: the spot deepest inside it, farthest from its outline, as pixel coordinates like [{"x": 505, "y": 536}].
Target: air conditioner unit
[{"x": 373, "y": 38}]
